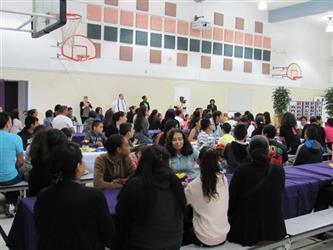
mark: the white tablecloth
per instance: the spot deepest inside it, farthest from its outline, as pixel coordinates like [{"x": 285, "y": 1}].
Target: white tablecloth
[{"x": 89, "y": 159}]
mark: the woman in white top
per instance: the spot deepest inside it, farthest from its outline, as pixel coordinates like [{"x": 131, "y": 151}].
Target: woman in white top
[
  {"x": 17, "y": 124},
  {"x": 209, "y": 196}
]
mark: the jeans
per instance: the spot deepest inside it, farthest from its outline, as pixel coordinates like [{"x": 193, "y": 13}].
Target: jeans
[{"x": 11, "y": 197}]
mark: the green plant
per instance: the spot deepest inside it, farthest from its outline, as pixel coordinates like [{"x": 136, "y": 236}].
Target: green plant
[
  {"x": 329, "y": 101},
  {"x": 280, "y": 100}
]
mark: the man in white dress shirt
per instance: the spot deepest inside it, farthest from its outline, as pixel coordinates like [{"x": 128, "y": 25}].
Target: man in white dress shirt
[{"x": 119, "y": 104}]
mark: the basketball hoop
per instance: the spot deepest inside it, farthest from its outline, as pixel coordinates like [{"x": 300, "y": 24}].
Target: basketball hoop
[
  {"x": 78, "y": 48},
  {"x": 293, "y": 72}
]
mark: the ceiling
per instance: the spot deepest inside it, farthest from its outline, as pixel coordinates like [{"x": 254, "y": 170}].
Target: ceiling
[{"x": 277, "y": 4}]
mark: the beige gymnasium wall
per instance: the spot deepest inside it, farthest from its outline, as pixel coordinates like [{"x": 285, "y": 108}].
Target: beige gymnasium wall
[{"x": 49, "y": 88}]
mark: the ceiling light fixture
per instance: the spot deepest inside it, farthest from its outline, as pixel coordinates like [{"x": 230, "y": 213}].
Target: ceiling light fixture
[
  {"x": 262, "y": 5},
  {"x": 329, "y": 26}
]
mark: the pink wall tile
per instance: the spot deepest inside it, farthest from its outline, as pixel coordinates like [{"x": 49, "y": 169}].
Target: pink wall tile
[
  {"x": 227, "y": 64},
  {"x": 218, "y": 19},
  {"x": 111, "y": 15},
  {"x": 239, "y": 37},
  {"x": 181, "y": 59},
  {"x": 266, "y": 68},
  {"x": 195, "y": 33},
  {"x": 182, "y": 28},
  {"x": 94, "y": 12},
  {"x": 126, "y": 53},
  {"x": 267, "y": 42},
  {"x": 229, "y": 36},
  {"x": 155, "y": 56},
  {"x": 170, "y": 9},
  {"x": 218, "y": 34},
  {"x": 248, "y": 39},
  {"x": 142, "y": 5},
  {"x": 205, "y": 62},
  {"x": 170, "y": 25},
  {"x": 258, "y": 41},
  {"x": 247, "y": 67},
  {"x": 259, "y": 27},
  {"x": 112, "y": 2},
  {"x": 126, "y": 18},
  {"x": 239, "y": 23},
  {"x": 142, "y": 21},
  {"x": 207, "y": 34},
  {"x": 156, "y": 23}
]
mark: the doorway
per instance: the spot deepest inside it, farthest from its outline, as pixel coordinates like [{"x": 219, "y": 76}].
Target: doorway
[{"x": 14, "y": 95}]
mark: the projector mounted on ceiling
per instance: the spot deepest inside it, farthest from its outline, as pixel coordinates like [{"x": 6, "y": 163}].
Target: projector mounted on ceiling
[{"x": 199, "y": 24}]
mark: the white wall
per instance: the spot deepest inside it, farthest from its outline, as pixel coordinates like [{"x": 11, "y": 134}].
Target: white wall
[{"x": 24, "y": 58}]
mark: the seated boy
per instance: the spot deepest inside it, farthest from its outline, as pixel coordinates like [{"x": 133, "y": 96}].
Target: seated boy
[
  {"x": 95, "y": 137},
  {"x": 126, "y": 130},
  {"x": 227, "y": 137},
  {"x": 277, "y": 151},
  {"x": 310, "y": 151},
  {"x": 206, "y": 137}
]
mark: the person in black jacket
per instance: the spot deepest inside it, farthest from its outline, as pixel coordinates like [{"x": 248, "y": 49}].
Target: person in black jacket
[
  {"x": 236, "y": 153},
  {"x": 288, "y": 131},
  {"x": 256, "y": 199},
  {"x": 68, "y": 215},
  {"x": 150, "y": 208},
  {"x": 26, "y": 134},
  {"x": 211, "y": 106},
  {"x": 310, "y": 151},
  {"x": 145, "y": 102}
]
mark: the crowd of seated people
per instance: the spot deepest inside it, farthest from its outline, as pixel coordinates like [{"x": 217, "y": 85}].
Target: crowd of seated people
[{"x": 159, "y": 177}]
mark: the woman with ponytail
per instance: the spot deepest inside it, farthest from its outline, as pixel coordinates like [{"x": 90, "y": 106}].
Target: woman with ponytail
[
  {"x": 150, "y": 208},
  {"x": 208, "y": 195},
  {"x": 67, "y": 214},
  {"x": 256, "y": 195}
]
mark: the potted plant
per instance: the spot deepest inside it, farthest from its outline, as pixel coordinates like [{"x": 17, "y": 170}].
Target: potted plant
[
  {"x": 281, "y": 98},
  {"x": 329, "y": 101}
]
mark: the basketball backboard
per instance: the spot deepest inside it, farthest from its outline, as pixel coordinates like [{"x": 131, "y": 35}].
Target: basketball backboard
[{"x": 43, "y": 25}]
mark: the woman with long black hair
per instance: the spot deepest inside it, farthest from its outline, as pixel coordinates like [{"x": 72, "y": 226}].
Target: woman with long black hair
[
  {"x": 150, "y": 208},
  {"x": 141, "y": 126},
  {"x": 256, "y": 196},
  {"x": 288, "y": 131},
  {"x": 208, "y": 195}
]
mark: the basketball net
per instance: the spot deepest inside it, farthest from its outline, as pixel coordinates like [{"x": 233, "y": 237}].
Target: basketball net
[{"x": 68, "y": 30}]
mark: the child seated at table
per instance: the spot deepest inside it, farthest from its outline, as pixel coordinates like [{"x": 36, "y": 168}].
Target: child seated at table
[
  {"x": 112, "y": 169},
  {"x": 310, "y": 151},
  {"x": 69, "y": 215},
  {"x": 126, "y": 130},
  {"x": 162, "y": 136},
  {"x": 95, "y": 137},
  {"x": 235, "y": 153},
  {"x": 227, "y": 137},
  {"x": 206, "y": 137},
  {"x": 277, "y": 151}
]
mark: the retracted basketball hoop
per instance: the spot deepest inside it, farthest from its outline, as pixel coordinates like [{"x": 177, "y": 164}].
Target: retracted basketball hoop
[
  {"x": 293, "y": 71},
  {"x": 76, "y": 47}
]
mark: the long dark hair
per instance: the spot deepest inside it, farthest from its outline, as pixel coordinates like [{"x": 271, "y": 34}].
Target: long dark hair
[
  {"x": 187, "y": 147},
  {"x": 209, "y": 169},
  {"x": 267, "y": 117},
  {"x": 154, "y": 167},
  {"x": 141, "y": 115},
  {"x": 288, "y": 120},
  {"x": 258, "y": 150},
  {"x": 43, "y": 143},
  {"x": 195, "y": 118}
]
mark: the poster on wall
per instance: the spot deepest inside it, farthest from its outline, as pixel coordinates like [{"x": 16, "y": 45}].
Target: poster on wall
[
  {"x": 186, "y": 94},
  {"x": 306, "y": 108}
]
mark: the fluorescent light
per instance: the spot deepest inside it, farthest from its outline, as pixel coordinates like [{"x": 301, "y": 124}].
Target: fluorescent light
[
  {"x": 262, "y": 5},
  {"x": 329, "y": 26}
]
